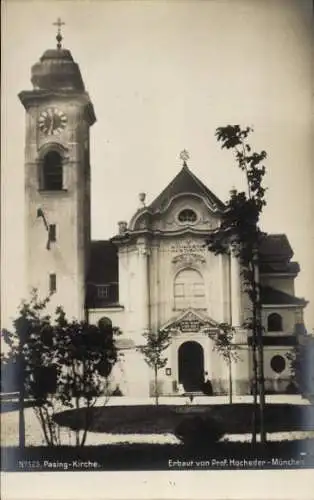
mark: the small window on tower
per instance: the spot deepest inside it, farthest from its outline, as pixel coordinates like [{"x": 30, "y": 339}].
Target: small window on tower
[
  {"x": 103, "y": 291},
  {"x": 52, "y": 233},
  {"x": 52, "y": 172},
  {"x": 52, "y": 283}
]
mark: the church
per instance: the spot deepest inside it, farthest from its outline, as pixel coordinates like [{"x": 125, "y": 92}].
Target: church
[{"x": 156, "y": 272}]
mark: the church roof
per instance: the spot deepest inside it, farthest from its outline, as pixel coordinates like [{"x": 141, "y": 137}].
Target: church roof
[
  {"x": 272, "y": 296},
  {"x": 279, "y": 267},
  {"x": 275, "y": 247},
  {"x": 103, "y": 266},
  {"x": 184, "y": 182},
  {"x": 57, "y": 70}
]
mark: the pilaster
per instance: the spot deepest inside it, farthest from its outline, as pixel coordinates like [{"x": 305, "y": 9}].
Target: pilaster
[{"x": 235, "y": 290}]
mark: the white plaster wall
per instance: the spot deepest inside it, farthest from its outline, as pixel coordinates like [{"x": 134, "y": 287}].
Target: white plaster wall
[
  {"x": 269, "y": 352},
  {"x": 168, "y": 221},
  {"x": 66, "y": 209},
  {"x": 241, "y": 370},
  {"x": 116, "y": 315},
  {"x": 285, "y": 284},
  {"x": 136, "y": 374},
  {"x": 162, "y": 290},
  {"x": 289, "y": 319},
  {"x": 274, "y": 381}
]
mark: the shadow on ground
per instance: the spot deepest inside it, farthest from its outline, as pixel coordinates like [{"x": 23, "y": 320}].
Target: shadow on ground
[{"x": 148, "y": 419}]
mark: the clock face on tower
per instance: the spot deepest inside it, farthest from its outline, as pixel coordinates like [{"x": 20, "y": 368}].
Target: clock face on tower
[{"x": 52, "y": 121}]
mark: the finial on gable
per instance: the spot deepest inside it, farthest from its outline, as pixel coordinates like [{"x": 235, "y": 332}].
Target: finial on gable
[
  {"x": 142, "y": 197},
  {"x": 184, "y": 156}
]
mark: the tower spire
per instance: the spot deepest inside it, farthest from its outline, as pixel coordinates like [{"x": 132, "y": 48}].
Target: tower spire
[{"x": 59, "y": 23}]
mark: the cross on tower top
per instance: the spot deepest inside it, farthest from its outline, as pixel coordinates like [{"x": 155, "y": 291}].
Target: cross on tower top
[
  {"x": 59, "y": 23},
  {"x": 184, "y": 156}
]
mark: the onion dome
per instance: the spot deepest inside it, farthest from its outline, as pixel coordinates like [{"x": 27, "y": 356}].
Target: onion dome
[{"x": 56, "y": 69}]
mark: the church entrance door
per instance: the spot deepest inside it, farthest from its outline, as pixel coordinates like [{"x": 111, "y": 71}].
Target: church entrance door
[{"x": 191, "y": 366}]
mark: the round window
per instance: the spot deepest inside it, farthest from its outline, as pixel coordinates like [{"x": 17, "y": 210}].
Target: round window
[
  {"x": 187, "y": 215},
  {"x": 278, "y": 363}
]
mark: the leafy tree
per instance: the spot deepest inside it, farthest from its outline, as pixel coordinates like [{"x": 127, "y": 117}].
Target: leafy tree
[
  {"x": 31, "y": 351},
  {"x": 87, "y": 354},
  {"x": 153, "y": 351},
  {"x": 58, "y": 363},
  {"x": 239, "y": 233},
  {"x": 225, "y": 346}
]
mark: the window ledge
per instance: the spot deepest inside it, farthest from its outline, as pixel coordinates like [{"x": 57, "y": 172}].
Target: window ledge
[
  {"x": 53, "y": 191},
  {"x": 189, "y": 307}
]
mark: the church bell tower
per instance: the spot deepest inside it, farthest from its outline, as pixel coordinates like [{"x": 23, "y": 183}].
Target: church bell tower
[{"x": 59, "y": 114}]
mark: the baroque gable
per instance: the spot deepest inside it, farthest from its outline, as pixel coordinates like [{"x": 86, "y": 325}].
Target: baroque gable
[{"x": 190, "y": 321}]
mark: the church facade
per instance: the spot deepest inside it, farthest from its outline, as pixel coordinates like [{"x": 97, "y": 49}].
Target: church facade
[{"x": 156, "y": 272}]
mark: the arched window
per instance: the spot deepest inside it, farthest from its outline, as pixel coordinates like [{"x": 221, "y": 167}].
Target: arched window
[
  {"x": 52, "y": 178},
  {"x": 274, "y": 323},
  {"x": 189, "y": 290},
  {"x": 105, "y": 322}
]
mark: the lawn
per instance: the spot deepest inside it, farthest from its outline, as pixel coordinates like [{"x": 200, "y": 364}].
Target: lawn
[{"x": 234, "y": 419}]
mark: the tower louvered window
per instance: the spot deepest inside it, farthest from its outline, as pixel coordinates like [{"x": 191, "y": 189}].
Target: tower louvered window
[{"x": 52, "y": 178}]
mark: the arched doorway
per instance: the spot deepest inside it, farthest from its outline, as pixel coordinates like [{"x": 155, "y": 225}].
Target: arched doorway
[{"x": 191, "y": 366}]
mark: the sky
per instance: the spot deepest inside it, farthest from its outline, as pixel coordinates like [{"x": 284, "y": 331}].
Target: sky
[{"x": 162, "y": 77}]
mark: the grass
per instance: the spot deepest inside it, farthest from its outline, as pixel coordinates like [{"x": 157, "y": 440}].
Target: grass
[{"x": 235, "y": 419}]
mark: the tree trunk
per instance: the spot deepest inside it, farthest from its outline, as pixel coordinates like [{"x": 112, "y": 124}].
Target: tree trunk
[
  {"x": 230, "y": 380},
  {"x": 254, "y": 414},
  {"x": 86, "y": 426},
  {"x": 260, "y": 350},
  {"x": 21, "y": 418},
  {"x": 77, "y": 431},
  {"x": 21, "y": 402},
  {"x": 156, "y": 386},
  {"x": 254, "y": 359}
]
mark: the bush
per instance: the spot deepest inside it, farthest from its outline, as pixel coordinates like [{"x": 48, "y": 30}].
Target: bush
[{"x": 199, "y": 431}]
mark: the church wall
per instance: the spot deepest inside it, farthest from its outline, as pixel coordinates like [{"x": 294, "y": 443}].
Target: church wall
[
  {"x": 116, "y": 315},
  {"x": 285, "y": 284},
  {"x": 289, "y": 318},
  {"x": 276, "y": 381},
  {"x": 168, "y": 221},
  {"x": 241, "y": 371},
  {"x": 132, "y": 374},
  {"x": 68, "y": 209},
  {"x": 170, "y": 256}
]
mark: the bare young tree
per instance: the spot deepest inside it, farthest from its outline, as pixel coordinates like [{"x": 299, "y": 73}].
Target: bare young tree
[
  {"x": 153, "y": 352},
  {"x": 225, "y": 346},
  {"x": 239, "y": 233}
]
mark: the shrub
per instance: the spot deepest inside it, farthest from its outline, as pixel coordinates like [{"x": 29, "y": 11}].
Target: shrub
[{"x": 199, "y": 430}]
